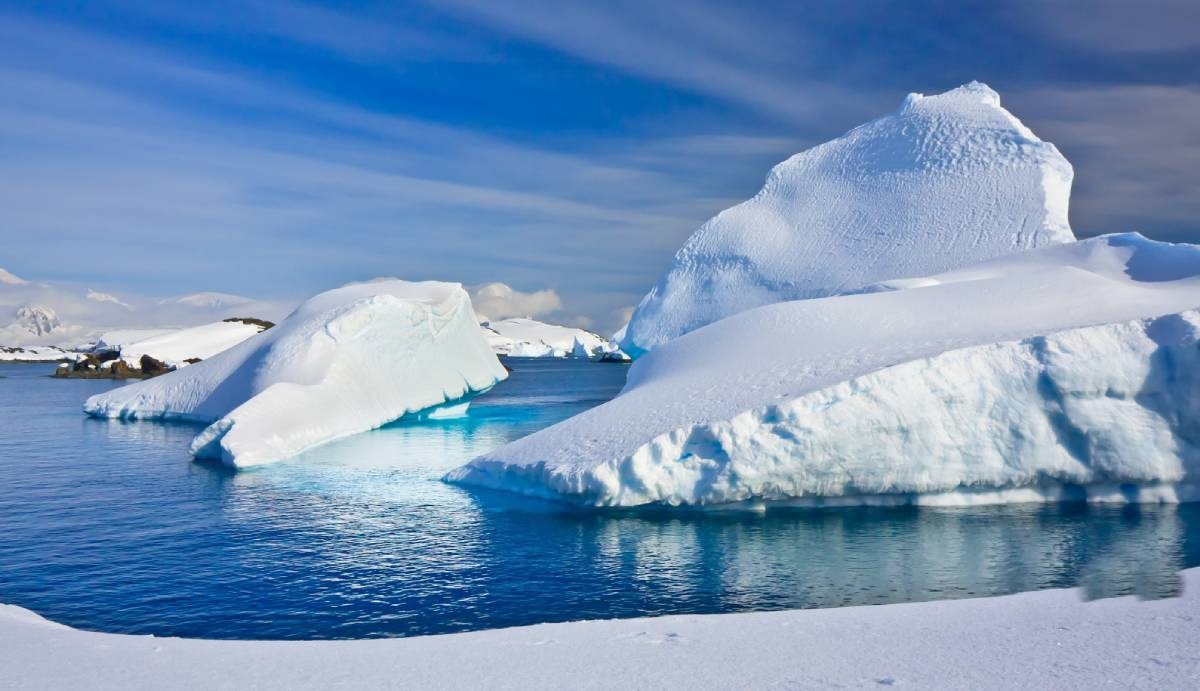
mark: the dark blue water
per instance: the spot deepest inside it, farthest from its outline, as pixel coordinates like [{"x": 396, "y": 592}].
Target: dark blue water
[{"x": 110, "y": 526}]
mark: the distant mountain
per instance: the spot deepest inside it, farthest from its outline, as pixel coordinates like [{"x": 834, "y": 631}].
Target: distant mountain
[{"x": 70, "y": 315}]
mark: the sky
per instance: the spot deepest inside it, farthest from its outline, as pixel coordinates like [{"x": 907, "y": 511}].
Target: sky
[{"x": 564, "y": 149}]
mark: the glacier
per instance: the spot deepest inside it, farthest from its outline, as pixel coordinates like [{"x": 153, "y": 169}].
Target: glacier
[
  {"x": 1068, "y": 371},
  {"x": 945, "y": 181},
  {"x": 345, "y": 361}
]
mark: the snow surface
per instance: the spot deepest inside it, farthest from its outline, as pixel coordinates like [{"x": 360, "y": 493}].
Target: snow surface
[
  {"x": 945, "y": 181},
  {"x": 175, "y": 346},
  {"x": 1045, "y": 639},
  {"x": 1018, "y": 379},
  {"x": 34, "y": 354},
  {"x": 520, "y": 337},
  {"x": 346, "y": 361}
]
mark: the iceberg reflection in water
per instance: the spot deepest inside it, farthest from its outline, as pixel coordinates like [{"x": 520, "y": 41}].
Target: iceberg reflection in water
[{"x": 110, "y": 526}]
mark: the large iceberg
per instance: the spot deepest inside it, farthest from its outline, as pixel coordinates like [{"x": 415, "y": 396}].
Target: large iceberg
[
  {"x": 346, "y": 361},
  {"x": 945, "y": 181},
  {"x": 1067, "y": 371}
]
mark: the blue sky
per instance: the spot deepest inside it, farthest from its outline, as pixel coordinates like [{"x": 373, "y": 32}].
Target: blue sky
[{"x": 277, "y": 149}]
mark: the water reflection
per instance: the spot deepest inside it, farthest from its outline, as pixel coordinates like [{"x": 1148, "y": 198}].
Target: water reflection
[{"x": 361, "y": 538}]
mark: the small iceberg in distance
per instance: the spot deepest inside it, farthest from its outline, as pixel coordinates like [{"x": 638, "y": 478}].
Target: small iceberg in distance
[
  {"x": 1066, "y": 372},
  {"x": 346, "y": 361}
]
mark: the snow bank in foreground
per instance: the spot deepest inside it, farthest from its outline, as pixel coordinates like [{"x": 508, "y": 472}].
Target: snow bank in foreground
[
  {"x": 531, "y": 338},
  {"x": 346, "y": 361},
  {"x": 1046, "y": 639},
  {"x": 1016, "y": 379},
  {"x": 945, "y": 181}
]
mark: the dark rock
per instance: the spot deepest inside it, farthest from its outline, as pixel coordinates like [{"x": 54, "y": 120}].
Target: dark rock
[
  {"x": 152, "y": 367},
  {"x": 263, "y": 323}
]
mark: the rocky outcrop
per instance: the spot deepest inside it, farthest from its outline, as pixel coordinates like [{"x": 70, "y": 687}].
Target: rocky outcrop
[
  {"x": 251, "y": 320},
  {"x": 108, "y": 364}
]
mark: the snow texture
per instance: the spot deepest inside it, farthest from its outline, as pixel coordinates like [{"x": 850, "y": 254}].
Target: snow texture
[
  {"x": 175, "y": 346},
  {"x": 346, "y": 361},
  {"x": 35, "y": 354},
  {"x": 945, "y": 181},
  {"x": 519, "y": 337},
  {"x": 1070, "y": 371},
  {"x": 1046, "y": 639}
]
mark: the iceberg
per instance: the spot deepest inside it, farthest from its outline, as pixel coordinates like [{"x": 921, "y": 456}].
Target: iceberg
[
  {"x": 522, "y": 337},
  {"x": 943, "y": 182},
  {"x": 345, "y": 361},
  {"x": 1066, "y": 372}
]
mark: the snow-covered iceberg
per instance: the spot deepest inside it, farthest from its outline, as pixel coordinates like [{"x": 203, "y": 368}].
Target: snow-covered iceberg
[
  {"x": 945, "y": 181},
  {"x": 1067, "y": 371},
  {"x": 522, "y": 337},
  {"x": 346, "y": 361}
]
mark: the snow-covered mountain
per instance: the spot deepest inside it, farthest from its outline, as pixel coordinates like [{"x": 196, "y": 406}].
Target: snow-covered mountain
[
  {"x": 345, "y": 361},
  {"x": 66, "y": 315},
  {"x": 944, "y": 181},
  {"x": 1067, "y": 371},
  {"x": 520, "y": 337}
]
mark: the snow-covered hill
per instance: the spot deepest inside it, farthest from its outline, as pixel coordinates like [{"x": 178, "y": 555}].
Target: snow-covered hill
[
  {"x": 1067, "y": 371},
  {"x": 176, "y": 346},
  {"x": 520, "y": 337},
  {"x": 944, "y": 181},
  {"x": 346, "y": 361},
  {"x": 34, "y": 354}
]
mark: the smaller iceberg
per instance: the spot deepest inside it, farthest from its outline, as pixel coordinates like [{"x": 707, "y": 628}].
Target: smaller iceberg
[{"x": 346, "y": 361}]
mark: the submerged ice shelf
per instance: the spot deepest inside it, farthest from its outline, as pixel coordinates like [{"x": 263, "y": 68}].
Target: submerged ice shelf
[
  {"x": 346, "y": 361},
  {"x": 1074, "y": 365}
]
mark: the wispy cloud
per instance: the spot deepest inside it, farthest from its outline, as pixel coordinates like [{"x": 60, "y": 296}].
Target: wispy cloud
[
  {"x": 329, "y": 190},
  {"x": 268, "y": 148},
  {"x": 742, "y": 54}
]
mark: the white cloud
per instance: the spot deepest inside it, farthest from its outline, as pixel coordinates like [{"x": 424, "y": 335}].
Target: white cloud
[
  {"x": 500, "y": 301},
  {"x": 9, "y": 278}
]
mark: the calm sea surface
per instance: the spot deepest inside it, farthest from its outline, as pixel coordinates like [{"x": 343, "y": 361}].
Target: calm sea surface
[{"x": 110, "y": 526}]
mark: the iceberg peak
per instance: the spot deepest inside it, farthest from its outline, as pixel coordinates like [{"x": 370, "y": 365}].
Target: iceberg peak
[{"x": 946, "y": 180}]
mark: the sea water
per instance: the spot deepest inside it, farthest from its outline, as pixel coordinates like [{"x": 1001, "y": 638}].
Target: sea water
[{"x": 111, "y": 526}]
